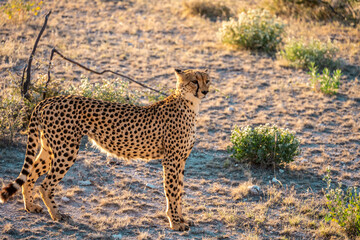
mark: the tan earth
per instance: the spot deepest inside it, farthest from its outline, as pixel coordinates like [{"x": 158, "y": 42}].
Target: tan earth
[{"x": 109, "y": 198}]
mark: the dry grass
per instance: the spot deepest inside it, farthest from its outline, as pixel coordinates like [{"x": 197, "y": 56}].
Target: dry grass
[
  {"x": 241, "y": 191},
  {"x": 274, "y": 196},
  {"x": 7, "y": 228},
  {"x": 231, "y": 217},
  {"x": 290, "y": 200},
  {"x": 144, "y": 236},
  {"x": 328, "y": 231},
  {"x": 342, "y": 11},
  {"x": 208, "y": 9}
]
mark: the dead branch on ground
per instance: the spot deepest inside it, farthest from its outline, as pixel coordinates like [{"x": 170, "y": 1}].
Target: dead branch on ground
[
  {"x": 54, "y": 50},
  {"x": 25, "y": 85}
]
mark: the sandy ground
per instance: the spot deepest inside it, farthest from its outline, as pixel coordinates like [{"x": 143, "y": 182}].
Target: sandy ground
[{"x": 109, "y": 198}]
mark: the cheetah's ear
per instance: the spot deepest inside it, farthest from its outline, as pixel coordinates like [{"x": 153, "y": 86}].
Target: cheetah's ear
[{"x": 179, "y": 71}]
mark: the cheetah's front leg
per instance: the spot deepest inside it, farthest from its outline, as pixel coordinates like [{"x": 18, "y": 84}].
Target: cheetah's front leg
[{"x": 173, "y": 172}]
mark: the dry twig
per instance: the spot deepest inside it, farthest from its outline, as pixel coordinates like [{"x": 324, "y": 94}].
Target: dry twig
[
  {"x": 54, "y": 50},
  {"x": 25, "y": 85}
]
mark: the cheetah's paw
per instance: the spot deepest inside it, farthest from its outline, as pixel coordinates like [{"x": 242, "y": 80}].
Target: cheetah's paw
[
  {"x": 34, "y": 208},
  {"x": 180, "y": 227},
  {"x": 188, "y": 222},
  {"x": 61, "y": 217}
]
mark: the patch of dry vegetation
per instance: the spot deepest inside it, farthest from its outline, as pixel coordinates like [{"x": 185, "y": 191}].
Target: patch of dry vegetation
[
  {"x": 208, "y": 9},
  {"x": 19, "y": 11},
  {"x": 241, "y": 191},
  {"x": 347, "y": 11}
]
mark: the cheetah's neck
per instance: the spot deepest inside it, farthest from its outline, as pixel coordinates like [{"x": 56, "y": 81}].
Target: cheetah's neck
[{"x": 194, "y": 100}]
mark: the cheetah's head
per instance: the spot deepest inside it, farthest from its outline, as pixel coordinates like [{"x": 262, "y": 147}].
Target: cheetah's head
[{"x": 193, "y": 82}]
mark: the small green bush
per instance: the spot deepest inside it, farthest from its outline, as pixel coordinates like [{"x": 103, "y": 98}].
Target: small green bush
[
  {"x": 152, "y": 97},
  {"x": 343, "y": 207},
  {"x": 12, "y": 114},
  {"x": 265, "y": 145},
  {"x": 207, "y": 9},
  {"x": 108, "y": 90},
  {"x": 15, "y": 111},
  {"x": 326, "y": 83},
  {"x": 299, "y": 54},
  {"x": 38, "y": 91},
  {"x": 254, "y": 30}
]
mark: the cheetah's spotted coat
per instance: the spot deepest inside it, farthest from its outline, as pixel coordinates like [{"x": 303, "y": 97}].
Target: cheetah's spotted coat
[{"x": 163, "y": 130}]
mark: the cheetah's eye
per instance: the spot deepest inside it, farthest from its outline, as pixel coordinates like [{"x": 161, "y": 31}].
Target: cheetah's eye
[{"x": 195, "y": 81}]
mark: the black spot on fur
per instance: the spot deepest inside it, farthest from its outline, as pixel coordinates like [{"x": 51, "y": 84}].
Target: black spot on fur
[
  {"x": 25, "y": 172},
  {"x": 29, "y": 160},
  {"x": 19, "y": 181}
]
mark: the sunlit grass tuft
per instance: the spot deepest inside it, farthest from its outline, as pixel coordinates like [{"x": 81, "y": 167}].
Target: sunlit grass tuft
[
  {"x": 241, "y": 191},
  {"x": 207, "y": 9},
  {"x": 345, "y": 11}
]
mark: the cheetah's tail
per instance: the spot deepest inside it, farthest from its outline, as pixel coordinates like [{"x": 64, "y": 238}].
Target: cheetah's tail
[
  {"x": 32, "y": 147},
  {"x": 11, "y": 189}
]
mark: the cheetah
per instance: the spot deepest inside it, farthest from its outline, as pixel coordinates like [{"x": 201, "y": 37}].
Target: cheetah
[{"x": 164, "y": 130}]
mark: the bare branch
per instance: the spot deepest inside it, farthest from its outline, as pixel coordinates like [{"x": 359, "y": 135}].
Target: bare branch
[
  {"x": 54, "y": 50},
  {"x": 23, "y": 77},
  {"x": 332, "y": 9},
  {"x": 26, "y": 84}
]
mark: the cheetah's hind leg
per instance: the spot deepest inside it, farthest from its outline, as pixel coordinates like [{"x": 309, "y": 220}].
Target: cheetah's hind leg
[{"x": 41, "y": 166}]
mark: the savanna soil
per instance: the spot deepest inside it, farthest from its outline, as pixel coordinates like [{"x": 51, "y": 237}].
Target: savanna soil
[{"x": 112, "y": 198}]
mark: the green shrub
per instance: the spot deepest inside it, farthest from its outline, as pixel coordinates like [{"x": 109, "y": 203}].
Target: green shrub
[
  {"x": 300, "y": 55},
  {"x": 12, "y": 114},
  {"x": 343, "y": 207},
  {"x": 113, "y": 90},
  {"x": 207, "y": 9},
  {"x": 254, "y": 30},
  {"x": 15, "y": 111},
  {"x": 265, "y": 145},
  {"x": 38, "y": 91},
  {"x": 20, "y": 10},
  {"x": 326, "y": 83},
  {"x": 108, "y": 90},
  {"x": 152, "y": 97}
]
